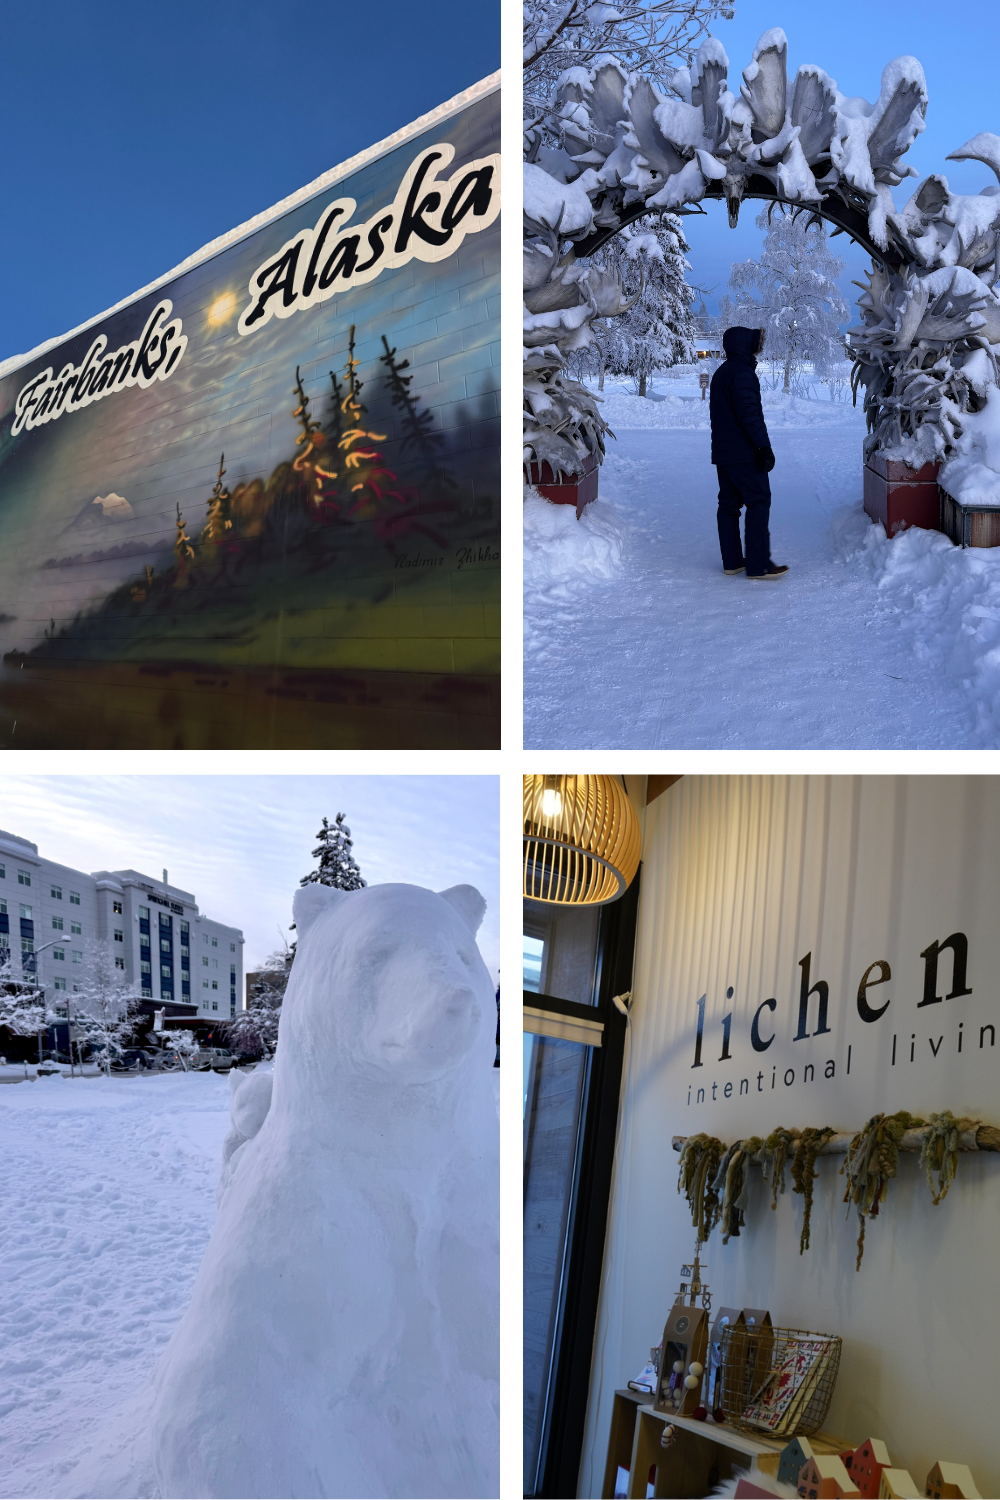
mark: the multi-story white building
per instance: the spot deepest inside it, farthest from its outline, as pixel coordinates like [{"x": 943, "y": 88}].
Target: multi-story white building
[{"x": 155, "y": 930}]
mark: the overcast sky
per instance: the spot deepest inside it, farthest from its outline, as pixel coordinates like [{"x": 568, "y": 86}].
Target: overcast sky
[
  {"x": 852, "y": 41},
  {"x": 135, "y": 134},
  {"x": 241, "y": 844}
]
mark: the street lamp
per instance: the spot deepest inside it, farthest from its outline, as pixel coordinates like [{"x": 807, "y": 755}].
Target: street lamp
[{"x": 34, "y": 953}]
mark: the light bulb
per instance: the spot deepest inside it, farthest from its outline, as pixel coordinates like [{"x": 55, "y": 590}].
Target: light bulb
[{"x": 551, "y": 802}]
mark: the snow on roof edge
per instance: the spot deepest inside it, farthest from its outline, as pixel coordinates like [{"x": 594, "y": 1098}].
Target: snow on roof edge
[{"x": 436, "y": 116}]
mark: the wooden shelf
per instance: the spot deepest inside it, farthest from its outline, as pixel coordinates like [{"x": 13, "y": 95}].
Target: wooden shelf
[{"x": 702, "y": 1453}]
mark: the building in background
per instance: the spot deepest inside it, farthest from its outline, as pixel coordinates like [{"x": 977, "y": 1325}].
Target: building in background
[
  {"x": 178, "y": 957},
  {"x": 256, "y": 504}
]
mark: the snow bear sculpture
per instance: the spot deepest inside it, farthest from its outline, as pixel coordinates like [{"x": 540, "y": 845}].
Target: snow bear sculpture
[{"x": 342, "y": 1335}]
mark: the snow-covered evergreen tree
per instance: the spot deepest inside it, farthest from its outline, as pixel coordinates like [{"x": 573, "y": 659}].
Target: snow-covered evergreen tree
[
  {"x": 337, "y": 865},
  {"x": 659, "y": 329},
  {"x": 791, "y": 291}
]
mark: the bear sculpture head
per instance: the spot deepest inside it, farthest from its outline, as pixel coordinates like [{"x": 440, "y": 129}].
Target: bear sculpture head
[{"x": 388, "y": 980}]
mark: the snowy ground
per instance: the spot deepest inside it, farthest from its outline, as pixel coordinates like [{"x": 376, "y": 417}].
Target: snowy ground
[
  {"x": 634, "y": 638},
  {"x": 107, "y": 1198}
]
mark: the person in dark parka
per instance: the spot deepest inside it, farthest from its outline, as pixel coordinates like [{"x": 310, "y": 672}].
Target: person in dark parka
[{"x": 741, "y": 452}]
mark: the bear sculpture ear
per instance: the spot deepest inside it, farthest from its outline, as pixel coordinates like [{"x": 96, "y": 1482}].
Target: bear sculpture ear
[
  {"x": 312, "y": 900},
  {"x": 467, "y": 902}
]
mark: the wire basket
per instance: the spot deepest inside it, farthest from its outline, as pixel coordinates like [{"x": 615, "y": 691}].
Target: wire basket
[{"x": 778, "y": 1380}]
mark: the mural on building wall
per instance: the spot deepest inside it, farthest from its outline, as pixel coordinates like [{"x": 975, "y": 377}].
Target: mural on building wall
[{"x": 260, "y": 505}]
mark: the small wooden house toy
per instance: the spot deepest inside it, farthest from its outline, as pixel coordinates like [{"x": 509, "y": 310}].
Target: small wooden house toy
[
  {"x": 823, "y": 1477},
  {"x": 896, "y": 1484},
  {"x": 865, "y": 1466},
  {"x": 798, "y": 1452},
  {"x": 951, "y": 1482}
]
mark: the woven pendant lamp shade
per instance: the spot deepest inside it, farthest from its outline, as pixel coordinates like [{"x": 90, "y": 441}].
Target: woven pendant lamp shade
[{"x": 582, "y": 847}]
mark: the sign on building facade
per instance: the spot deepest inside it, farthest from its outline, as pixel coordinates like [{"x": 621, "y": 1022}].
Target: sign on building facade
[{"x": 258, "y": 503}]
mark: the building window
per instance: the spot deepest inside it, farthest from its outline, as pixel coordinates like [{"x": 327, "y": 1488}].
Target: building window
[
  {"x": 27, "y": 945},
  {"x": 215, "y": 942},
  {"x": 232, "y": 972},
  {"x": 215, "y": 984},
  {"x": 24, "y": 877},
  {"x": 215, "y": 1004},
  {"x": 144, "y": 966},
  {"x": 232, "y": 947},
  {"x": 215, "y": 963},
  {"x": 147, "y": 993},
  {"x": 204, "y": 960},
  {"x": 56, "y": 892},
  {"x": 164, "y": 945},
  {"x": 75, "y": 927},
  {"x": 204, "y": 938},
  {"x": 59, "y": 953},
  {"x": 185, "y": 951},
  {"x": 119, "y": 963},
  {"x": 74, "y": 898},
  {"x": 166, "y": 994},
  {"x": 165, "y": 971},
  {"x": 119, "y": 935},
  {"x": 116, "y": 907},
  {"x": 204, "y": 984},
  {"x": 26, "y": 912},
  {"x": 57, "y": 924},
  {"x": 60, "y": 984},
  {"x": 3, "y": 906},
  {"x": 144, "y": 913},
  {"x": 3, "y": 872},
  {"x": 76, "y": 955},
  {"x": 185, "y": 929}
]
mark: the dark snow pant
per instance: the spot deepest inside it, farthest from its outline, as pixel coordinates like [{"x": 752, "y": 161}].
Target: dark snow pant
[{"x": 739, "y": 485}]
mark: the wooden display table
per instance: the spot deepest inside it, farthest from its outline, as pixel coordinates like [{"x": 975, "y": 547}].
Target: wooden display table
[{"x": 701, "y": 1455}]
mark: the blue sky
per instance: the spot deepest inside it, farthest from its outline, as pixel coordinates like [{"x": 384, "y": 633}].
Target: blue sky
[
  {"x": 241, "y": 844},
  {"x": 134, "y": 134},
  {"x": 853, "y": 40}
]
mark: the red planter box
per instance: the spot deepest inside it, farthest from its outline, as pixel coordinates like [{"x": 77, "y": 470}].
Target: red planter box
[
  {"x": 899, "y": 496},
  {"x": 565, "y": 489}
]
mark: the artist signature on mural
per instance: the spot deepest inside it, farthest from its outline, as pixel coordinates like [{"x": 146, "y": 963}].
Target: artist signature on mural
[
  {"x": 427, "y": 220},
  {"x": 472, "y": 556}
]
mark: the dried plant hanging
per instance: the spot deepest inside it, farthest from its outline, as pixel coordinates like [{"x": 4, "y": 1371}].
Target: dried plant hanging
[
  {"x": 807, "y": 1148},
  {"x": 700, "y": 1157},
  {"x": 773, "y": 1156},
  {"x": 939, "y": 1152},
  {"x": 872, "y": 1158},
  {"x": 732, "y": 1184}
]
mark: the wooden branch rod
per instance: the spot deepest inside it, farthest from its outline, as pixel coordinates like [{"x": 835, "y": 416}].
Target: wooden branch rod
[{"x": 983, "y": 1138}]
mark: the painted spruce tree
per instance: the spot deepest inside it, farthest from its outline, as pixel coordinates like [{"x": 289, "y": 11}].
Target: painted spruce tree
[
  {"x": 658, "y": 329},
  {"x": 337, "y": 865},
  {"x": 312, "y": 464},
  {"x": 367, "y": 476},
  {"x": 791, "y": 291},
  {"x": 218, "y": 521},
  {"x": 183, "y": 553}
]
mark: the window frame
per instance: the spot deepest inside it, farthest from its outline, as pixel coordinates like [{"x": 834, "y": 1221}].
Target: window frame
[{"x": 564, "y": 1406}]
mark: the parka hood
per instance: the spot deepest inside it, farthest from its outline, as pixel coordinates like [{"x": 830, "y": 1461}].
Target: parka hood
[{"x": 740, "y": 343}]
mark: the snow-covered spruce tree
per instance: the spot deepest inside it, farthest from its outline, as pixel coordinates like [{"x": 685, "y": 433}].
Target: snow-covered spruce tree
[
  {"x": 791, "y": 291},
  {"x": 337, "y": 865},
  {"x": 658, "y": 330}
]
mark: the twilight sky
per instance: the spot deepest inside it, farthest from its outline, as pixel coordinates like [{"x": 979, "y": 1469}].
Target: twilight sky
[
  {"x": 135, "y": 134},
  {"x": 242, "y": 843},
  {"x": 852, "y": 41}
]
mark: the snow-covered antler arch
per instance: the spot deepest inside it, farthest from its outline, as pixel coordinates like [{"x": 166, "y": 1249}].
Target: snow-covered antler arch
[{"x": 613, "y": 147}]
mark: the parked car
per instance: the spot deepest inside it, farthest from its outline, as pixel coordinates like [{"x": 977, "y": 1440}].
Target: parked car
[
  {"x": 217, "y": 1058},
  {"x": 133, "y": 1060}
]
